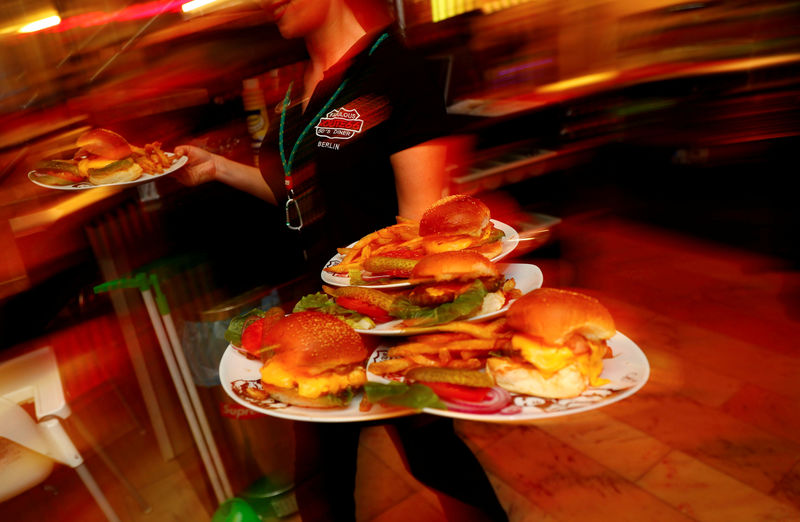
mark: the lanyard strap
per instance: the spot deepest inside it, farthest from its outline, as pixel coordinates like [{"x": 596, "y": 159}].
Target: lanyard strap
[
  {"x": 287, "y": 162},
  {"x": 292, "y": 201}
]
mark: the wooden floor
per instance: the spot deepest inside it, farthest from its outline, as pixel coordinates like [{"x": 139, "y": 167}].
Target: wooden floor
[{"x": 713, "y": 436}]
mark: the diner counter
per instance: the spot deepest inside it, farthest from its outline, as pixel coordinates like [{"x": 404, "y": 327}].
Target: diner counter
[{"x": 713, "y": 435}]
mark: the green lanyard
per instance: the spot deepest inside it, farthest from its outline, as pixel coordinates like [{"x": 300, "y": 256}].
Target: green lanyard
[{"x": 287, "y": 162}]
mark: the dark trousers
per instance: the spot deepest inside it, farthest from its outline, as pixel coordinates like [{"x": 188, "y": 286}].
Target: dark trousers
[{"x": 434, "y": 455}]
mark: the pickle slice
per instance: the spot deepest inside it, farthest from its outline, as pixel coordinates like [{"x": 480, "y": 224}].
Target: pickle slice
[{"x": 451, "y": 375}]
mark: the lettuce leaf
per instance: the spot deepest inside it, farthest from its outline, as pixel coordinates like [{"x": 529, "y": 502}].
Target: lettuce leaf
[
  {"x": 461, "y": 307},
  {"x": 415, "y": 396},
  {"x": 322, "y": 302},
  {"x": 233, "y": 334}
]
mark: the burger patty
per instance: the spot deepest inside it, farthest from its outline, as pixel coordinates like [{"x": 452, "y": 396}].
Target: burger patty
[{"x": 439, "y": 293}]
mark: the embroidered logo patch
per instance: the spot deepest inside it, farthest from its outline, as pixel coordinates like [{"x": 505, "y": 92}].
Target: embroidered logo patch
[{"x": 340, "y": 124}]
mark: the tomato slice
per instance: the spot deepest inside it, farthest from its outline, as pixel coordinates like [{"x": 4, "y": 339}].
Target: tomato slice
[
  {"x": 377, "y": 313},
  {"x": 251, "y": 336},
  {"x": 446, "y": 390},
  {"x": 398, "y": 273}
]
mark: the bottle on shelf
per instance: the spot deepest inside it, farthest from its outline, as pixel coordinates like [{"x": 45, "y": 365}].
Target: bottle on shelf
[{"x": 255, "y": 109}]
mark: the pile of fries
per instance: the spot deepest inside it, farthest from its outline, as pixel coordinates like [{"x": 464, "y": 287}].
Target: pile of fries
[
  {"x": 458, "y": 345},
  {"x": 405, "y": 234},
  {"x": 151, "y": 158}
]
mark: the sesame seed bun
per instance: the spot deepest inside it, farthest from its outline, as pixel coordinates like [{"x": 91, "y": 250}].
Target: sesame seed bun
[
  {"x": 316, "y": 340},
  {"x": 458, "y": 214}
]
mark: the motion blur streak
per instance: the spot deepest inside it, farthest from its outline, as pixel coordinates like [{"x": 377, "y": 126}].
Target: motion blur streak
[
  {"x": 38, "y": 25},
  {"x": 126, "y": 14}
]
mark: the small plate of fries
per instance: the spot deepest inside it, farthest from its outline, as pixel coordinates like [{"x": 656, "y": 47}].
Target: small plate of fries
[{"x": 404, "y": 234}]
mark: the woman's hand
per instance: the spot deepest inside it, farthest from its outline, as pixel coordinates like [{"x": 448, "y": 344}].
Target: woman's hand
[{"x": 201, "y": 167}]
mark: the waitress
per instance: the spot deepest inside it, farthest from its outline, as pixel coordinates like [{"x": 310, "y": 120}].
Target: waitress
[{"x": 355, "y": 147}]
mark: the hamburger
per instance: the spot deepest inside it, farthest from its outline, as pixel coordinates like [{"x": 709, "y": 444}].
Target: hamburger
[
  {"x": 58, "y": 172},
  {"x": 557, "y": 347},
  {"x": 448, "y": 286},
  {"x": 312, "y": 359},
  {"x": 105, "y": 157},
  {"x": 460, "y": 222}
]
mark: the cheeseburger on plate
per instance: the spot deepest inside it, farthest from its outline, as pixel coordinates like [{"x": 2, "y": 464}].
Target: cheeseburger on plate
[
  {"x": 460, "y": 222},
  {"x": 558, "y": 344},
  {"x": 106, "y": 157},
  {"x": 447, "y": 286},
  {"x": 312, "y": 359}
]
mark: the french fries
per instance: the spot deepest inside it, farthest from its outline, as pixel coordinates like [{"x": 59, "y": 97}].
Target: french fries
[
  {"x": 404, "y": 234},
  {"x": 151, "y": 158},
  {"x": 461, "y": 345}
]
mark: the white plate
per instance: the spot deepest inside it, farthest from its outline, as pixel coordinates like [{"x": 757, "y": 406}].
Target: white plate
[
  {"x": 235, "y": 367},
  {"x": 83, "y": 185},
  {"x": 526, "y": 278},
  {"x": 509, "y": 242},
  {"x": 628, "y": 370}
]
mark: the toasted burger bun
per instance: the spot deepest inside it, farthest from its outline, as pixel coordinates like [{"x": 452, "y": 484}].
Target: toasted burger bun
[
  {"x": 119, "y": 171},
  {"x": 316, "y": 340},
  {"x": 104, "y": 144},
  {"x": 291, "y": 396},
  {"x": 527, "y": 380},
  {"x": 554, "y": 315},
  {"x": 458, "y": 214},
  {"x": 447, "y": 266}
]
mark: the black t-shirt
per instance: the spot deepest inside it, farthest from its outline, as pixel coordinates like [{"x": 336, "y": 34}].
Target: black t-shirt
[{"x": 376, "y": 101}]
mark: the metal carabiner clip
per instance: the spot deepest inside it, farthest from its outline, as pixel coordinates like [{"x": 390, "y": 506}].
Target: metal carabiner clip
[{"x": 289, "y": 202}]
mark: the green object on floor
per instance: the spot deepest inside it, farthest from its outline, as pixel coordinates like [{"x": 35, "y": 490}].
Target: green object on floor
[
  {"x": 235, "y": 510},
  {"x": 271, "y": 498}
]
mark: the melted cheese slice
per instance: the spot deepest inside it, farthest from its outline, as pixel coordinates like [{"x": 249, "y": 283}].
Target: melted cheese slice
[
  {"x": 550, "y": 359},
  {"x": 547, "y": 359},
  {"x": 312, "y": 386}
]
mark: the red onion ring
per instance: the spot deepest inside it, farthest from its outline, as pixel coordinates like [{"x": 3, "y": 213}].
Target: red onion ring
[{"x": 497, "y": 399}]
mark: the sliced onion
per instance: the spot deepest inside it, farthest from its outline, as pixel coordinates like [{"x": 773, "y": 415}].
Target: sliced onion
[
  {"x": 369, "y": 276},
  {"x": 496, "y": 400}
]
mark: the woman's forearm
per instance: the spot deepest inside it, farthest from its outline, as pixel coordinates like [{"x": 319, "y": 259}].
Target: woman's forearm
[{"x": 243, "y": 177}]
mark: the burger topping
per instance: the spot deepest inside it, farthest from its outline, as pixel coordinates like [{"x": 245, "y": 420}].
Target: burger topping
[
  {"x": 463, "y": 305},
  {"x": 396, "y": 263},
  {"x": 65, "y": 170},
  {"x": 471, "y": 378},
  {"x": 550, "y": 359},
  {"x": 438, "y": 293},
  {"x": 113, "y": 166},
  {"x": 276, "y": 374}
]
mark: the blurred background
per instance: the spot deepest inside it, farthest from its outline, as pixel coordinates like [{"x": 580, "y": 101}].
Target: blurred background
[{"x": 680, "y": 115}]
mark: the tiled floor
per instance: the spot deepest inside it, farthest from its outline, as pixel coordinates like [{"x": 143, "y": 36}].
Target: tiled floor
[{"x": 714, "y": 435}]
